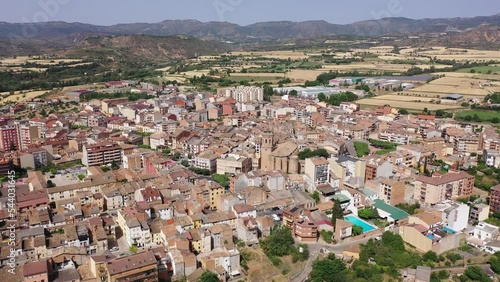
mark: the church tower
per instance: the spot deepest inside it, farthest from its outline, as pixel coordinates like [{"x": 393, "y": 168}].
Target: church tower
[{"x": 266, "y": 149}]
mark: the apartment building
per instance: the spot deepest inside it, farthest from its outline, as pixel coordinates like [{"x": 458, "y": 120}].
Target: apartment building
[
  {"x": 97, "y": 121},
  {"x": 377, "y": 167},
  {"x": 495, "y": 198},
  {"x": 348, "y": 169},
  {"x": 305, "y": 230},
  {"x": 134, "y": 225},
  {"x": 233, "y": 164},
  {"x": 27, "y": 134},
  {"x": 207, "y": 160},
  {"x": 466, "y": 144},
  {"x": 394, "y": 136},
  {"x": 137, "y": 267},
  {"x": 392, "y": 192},
  {"x": 432, "y": 190},
  {"x": 246, "y": 93},
  {"x": 101, "y": 153},
  {"x": 9, "y": 138},
  {"x": 317, "y": 170}
]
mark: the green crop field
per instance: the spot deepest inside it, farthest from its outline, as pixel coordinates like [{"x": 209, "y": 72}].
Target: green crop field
[
  {"x": 482, "y": 116},
  {"x": 482, "y": 70}
]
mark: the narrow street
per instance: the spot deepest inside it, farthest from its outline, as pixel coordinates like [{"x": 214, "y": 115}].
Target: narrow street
[{"x": 314, "y": 251}]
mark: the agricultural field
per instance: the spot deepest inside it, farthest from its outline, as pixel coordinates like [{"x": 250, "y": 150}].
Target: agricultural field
[
  {"x": 482, "y": 70},
  {"x": 483, "y": 116},
  {"x": 469, "y": 87},
  {"x": 443, "y": 53},
  {"x": 284, "y": 55},
  {"x": 395, "y": 101},
  {"x": 20, "y": 97}
]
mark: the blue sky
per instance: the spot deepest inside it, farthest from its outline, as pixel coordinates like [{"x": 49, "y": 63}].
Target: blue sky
[{"x": 108, "y": 12}]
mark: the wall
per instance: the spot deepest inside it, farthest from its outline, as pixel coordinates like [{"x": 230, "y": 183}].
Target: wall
[{"x": 413, "y": 237}]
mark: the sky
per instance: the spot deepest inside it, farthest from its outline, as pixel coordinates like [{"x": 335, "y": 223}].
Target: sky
[{"x": 243, "y": 12}]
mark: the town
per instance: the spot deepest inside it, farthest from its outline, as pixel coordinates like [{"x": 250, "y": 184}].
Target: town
[
  {"x": 135, "y": 156},
  {"x": 168, "y": 187}
]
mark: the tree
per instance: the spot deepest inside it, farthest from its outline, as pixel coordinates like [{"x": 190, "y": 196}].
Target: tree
[
  {"x": 176, "y": 156},
  {"x": 315, "y": 196},
  {"x": 322, "y": 97},
  {"x": 133, "y": 249},
  {"x": 357, "y": 230},
  {"x": 495, "y": 263},
  {"x": 337, "y": 212},
  {"x": 403, "y": 111},
  {"x": 475, "y": 273},
  {"x": 209, "y": 276},
  {"x": 279, "y": 243},
  {"x": 430, "y": 256},
  {"x": 368, "y": 213},
  {"x": 426, "y": 110},
  {"x": 50, "y": 184},
  {"x": 293, "y": 93},
  {"x": 495, "y": 120},
  {"x": 114, "y": 165},
  {"x": 222, "y": 179},
  {"x": 330, "y": 269},
  {"x": 185, "y": 163}
]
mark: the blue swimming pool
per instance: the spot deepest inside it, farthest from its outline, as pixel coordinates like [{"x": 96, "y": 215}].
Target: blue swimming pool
[
  {"x": 449, "y": 230},
  {"x": 430, "y": 236},
  {"x": 359, "y": 222}
]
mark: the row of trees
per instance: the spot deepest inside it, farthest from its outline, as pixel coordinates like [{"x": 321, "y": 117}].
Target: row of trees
[{"x": 336, "y": 99}]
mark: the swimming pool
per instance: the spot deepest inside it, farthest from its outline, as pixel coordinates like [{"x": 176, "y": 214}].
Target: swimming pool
[
  {"x": 359, "y": 222},
  {"x": 449, "y": 230},
  {"x": 430, "y": 236}
]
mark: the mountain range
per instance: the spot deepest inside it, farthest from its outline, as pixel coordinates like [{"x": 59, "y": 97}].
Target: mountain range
[{"x": 278, "y": 30}]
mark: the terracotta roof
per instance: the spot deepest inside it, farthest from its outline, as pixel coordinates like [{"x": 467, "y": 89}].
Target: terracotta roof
[
  {"x": 443, "y": 179},
  {"x": 34, "y": 268},
  {"x": 129, "y": 263}
]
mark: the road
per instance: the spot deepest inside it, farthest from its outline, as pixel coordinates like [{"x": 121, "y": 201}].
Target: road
[{"x": 314, "y": 250}]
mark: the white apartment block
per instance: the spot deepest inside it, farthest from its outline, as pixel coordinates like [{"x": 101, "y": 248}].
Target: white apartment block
[{"x": 246, "y": 93}]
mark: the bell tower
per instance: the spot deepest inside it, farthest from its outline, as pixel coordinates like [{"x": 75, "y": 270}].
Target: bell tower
[{"x": 266, "y": 151}]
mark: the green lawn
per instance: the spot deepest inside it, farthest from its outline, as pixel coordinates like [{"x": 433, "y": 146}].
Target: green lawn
[
  {"x": 361, "y": 149},
  {"x": 483, "y": 116},
  {"x": 482, "y": 70}
]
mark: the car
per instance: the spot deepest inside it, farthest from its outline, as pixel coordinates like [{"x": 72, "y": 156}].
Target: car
[
  {"x": 378, "y": 238},
  {"x": 114, "y": 249}
]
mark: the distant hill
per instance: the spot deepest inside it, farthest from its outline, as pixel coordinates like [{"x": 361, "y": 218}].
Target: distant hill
[
  {"x": 145, "y": 47},
  {"x": 259, "y": 31},
  {"x": 483, "y": 36}
]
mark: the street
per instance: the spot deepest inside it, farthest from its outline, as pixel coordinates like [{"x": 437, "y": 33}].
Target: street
[{"x": 314, "y": 251}]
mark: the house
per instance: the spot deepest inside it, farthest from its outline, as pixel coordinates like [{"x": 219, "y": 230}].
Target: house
[
  {"x": 343, "y": 229},
  {"x": 485, "y": 232},
  {"x": 436, "y": 240},
  {"x": 353, "y": 252},
  {"x": 491, "y": 157},
  {"x": 390, "y": 213},
  {"x": 247, "y": 229},
  {"x": 455, "y": 217},
  {"x": 129, "y": 268},
  {"x": 37, "y": 271},
  {"x": 428, "y": 218},
  {"x": 241, "y": 210},
  {"x": 479, "y": 212},
  {"x": 421, "y": 274}
]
